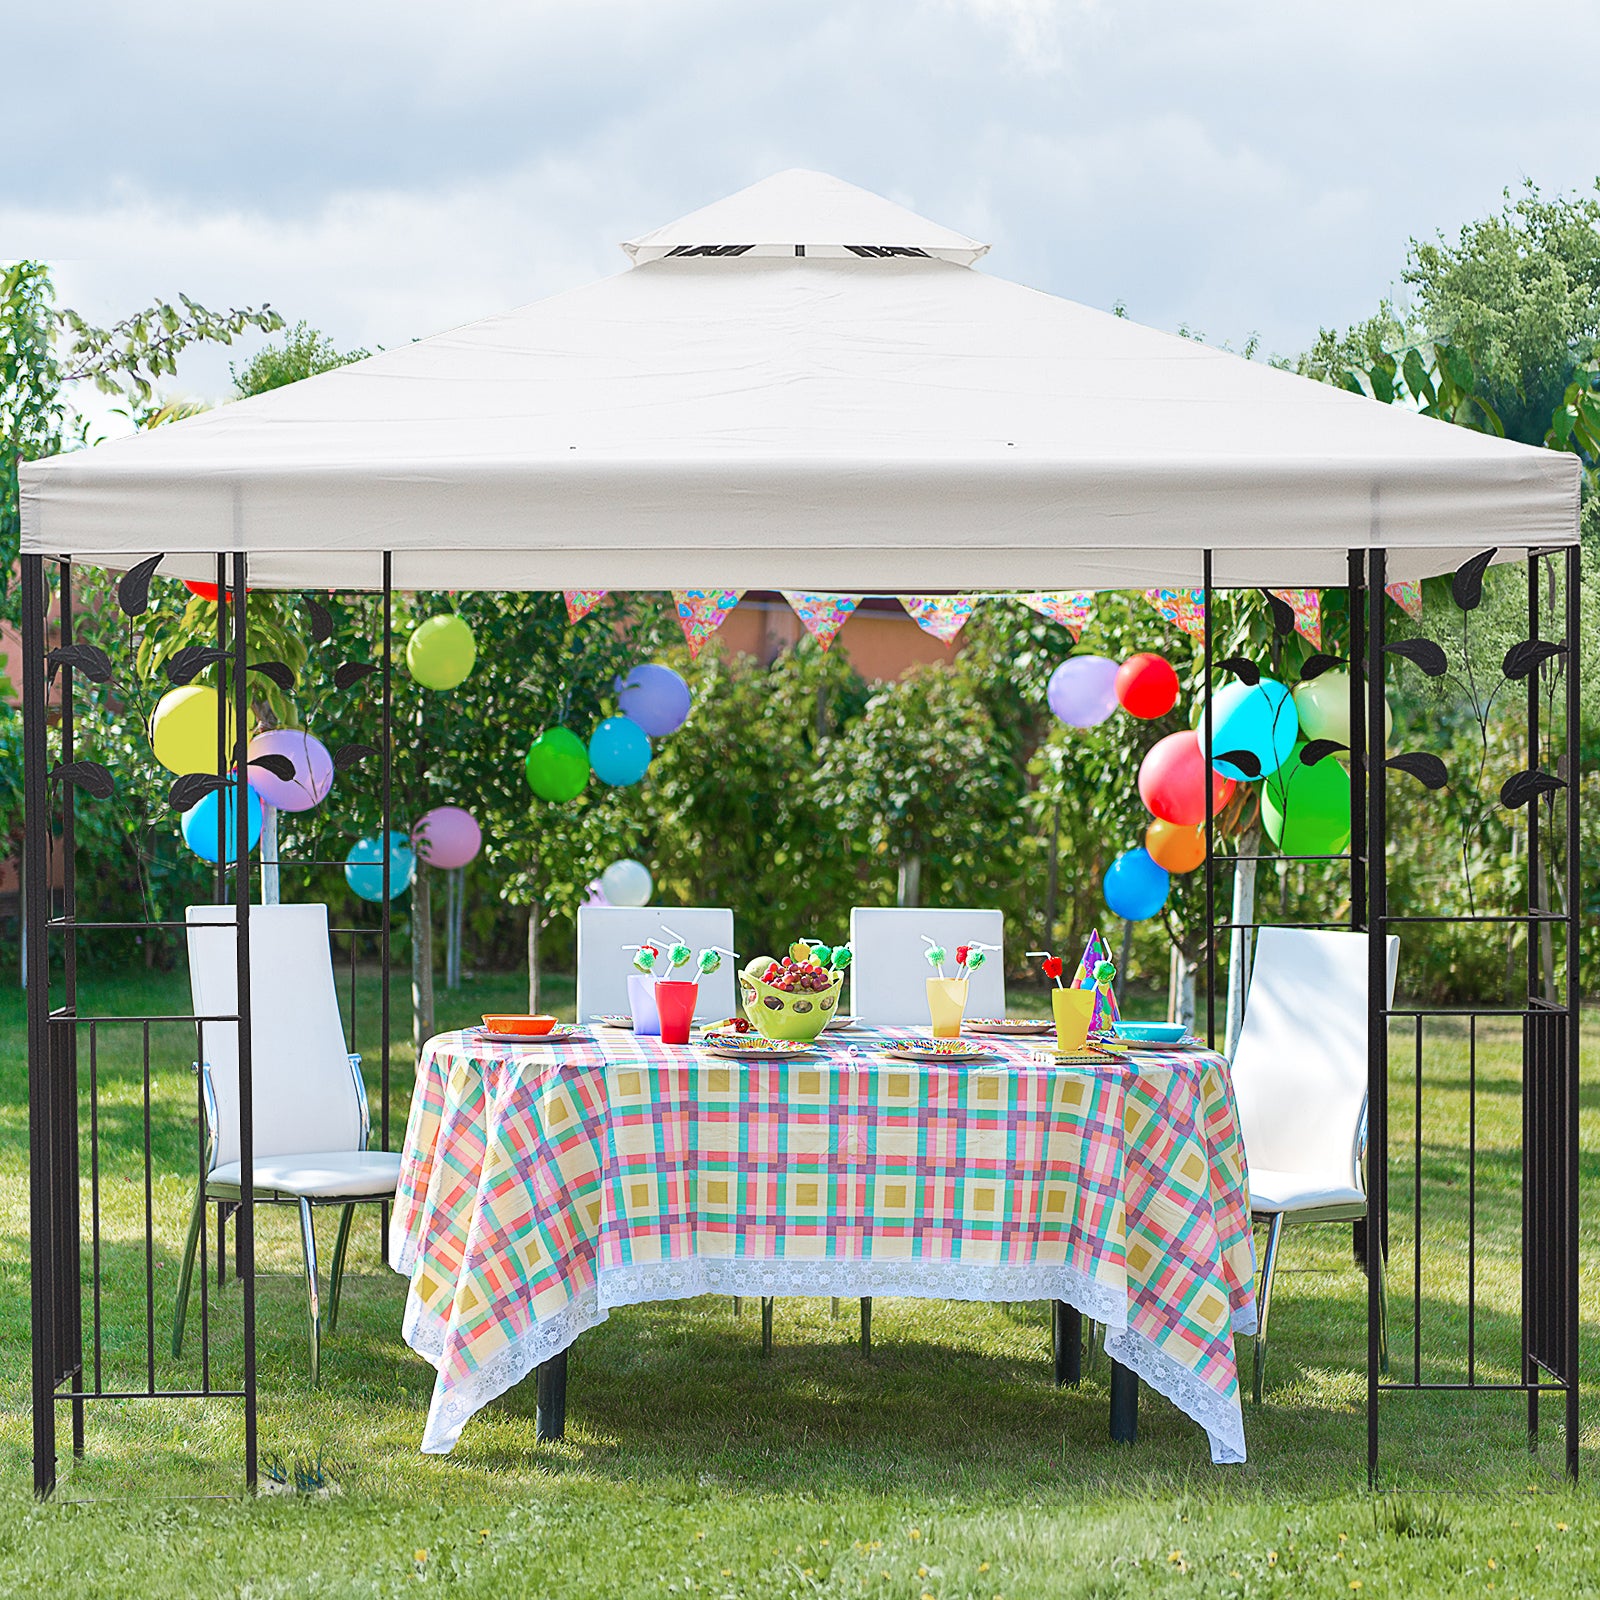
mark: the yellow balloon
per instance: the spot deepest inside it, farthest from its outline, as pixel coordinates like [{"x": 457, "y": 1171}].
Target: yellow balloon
[
  {"x": 441, "y": 652},
  {"x": 183, "y": 731}
]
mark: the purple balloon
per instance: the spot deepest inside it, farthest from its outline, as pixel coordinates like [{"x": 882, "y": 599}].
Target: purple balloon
[
  {"x": 1083, "y": 690},
  {"x": 447, "y": 837},
  {"x": 313, "y": 769},
  {"x": 656, "y": 698}
]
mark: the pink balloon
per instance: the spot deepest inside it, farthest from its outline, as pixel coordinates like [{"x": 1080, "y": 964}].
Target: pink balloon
[
  {"x": 313, "y": 769},
  {"x": 447, "y": 837}
]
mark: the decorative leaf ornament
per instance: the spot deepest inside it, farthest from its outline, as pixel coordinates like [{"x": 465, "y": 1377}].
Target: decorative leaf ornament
[
  {"x": 191, "y": 787},
  {"x": 1422, "y": 765},
  {"x": 184, "y": 665},
  {"x": 281, "y": 767},
  {"x": 347, "y": 755},
  {"x": 133, "y": 592},
  {"x": 321, "y": 620},
  {"x": 1316, "y": 750},
  {"x": 1424, "y": 653},
  {"x": 1244, "y": 670},
  {"x": 1317, "y": 664},
  {"x": 89, "y": 776},
  {"x": 1521, "y": 787},
  {"x": 276, "y": 672},
  {"x": 89, "y": 659},
  {"x": 1530, "y": 654},
  {"x": 1282, "y": 614},
  {"x": 1466, "y": 587},
  {"x": 349, "y": 672},
  {"x": 1245, "y": 760}
]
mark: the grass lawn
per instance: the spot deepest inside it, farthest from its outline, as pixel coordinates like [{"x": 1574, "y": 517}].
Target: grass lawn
[{"x": 946, "y": 1466}]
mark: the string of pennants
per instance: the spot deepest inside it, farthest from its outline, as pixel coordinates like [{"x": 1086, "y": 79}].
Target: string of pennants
[{"x": 702, "y": 611}]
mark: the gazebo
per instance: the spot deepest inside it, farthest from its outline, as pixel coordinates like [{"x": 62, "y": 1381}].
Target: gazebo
[{"x": 804, "y": 386}]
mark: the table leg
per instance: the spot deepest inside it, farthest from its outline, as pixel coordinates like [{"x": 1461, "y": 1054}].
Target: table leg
[
  {"x": 1066, "y": 1337},
  {"x": 1124, "y": 1404},
  {"x": 866, "y": 1327},
  {"x": 550, "y": 1419},
  {"x": 766, "y": 1324}
]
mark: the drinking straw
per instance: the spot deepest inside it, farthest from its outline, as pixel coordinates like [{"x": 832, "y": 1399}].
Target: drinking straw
[{"x": 1052, "y": 965}]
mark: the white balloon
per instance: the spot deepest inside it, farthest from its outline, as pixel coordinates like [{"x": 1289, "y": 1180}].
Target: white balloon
[
  {"x": 626, "y": 883},
  {"x": 1323, "y": 706}
]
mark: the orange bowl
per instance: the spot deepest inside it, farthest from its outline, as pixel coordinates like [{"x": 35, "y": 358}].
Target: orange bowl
[{"x": 532, "y": 1026}]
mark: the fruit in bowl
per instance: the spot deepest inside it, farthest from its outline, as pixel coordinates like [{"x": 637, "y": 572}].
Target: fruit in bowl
[
  {"x": 530, "y": 1026},
  {"x": 791, "y": 999}
]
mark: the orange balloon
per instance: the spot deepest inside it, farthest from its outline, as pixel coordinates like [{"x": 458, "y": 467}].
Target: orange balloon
[{"x": 1177, "y": 848}]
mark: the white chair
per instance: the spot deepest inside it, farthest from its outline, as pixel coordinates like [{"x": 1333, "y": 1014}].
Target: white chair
[
  {"x": 604, "y": 965},
  {"x": 1300, "y": 1080},
  {"x": 309, "y": 1103},
  {"x": 889, "y": 973}
]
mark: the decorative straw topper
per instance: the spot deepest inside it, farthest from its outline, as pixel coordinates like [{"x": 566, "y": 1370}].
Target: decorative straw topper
[
  {"x": 969, "y": 957},
  {"x": 1052, "y": 965},
  {"x": 710, "y": 959},
  {"x": 645, "y": 956},
  {"x": 934, "y": 954}
]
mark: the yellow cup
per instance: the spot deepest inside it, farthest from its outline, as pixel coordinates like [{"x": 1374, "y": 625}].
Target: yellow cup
[
  {"x": 1074, "y": 1010},
  {"x": 947, "y": 1003}
]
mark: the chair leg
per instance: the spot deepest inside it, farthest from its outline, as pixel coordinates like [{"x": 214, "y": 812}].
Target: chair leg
[
  {"x": 1269, "y": 1266},
  {"x": 308, "y": 1246},
  {"x": 180, "y": 1312},
  {"x": 222, "y": 1244},
  {"x": 341, "y": 1243}
]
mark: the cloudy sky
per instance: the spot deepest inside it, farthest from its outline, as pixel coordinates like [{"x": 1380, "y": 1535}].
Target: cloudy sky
[{"x": 384, "y": 170}]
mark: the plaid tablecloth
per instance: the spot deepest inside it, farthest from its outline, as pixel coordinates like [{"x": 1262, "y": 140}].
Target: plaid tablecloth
[{"x": 542, "y": 1185}]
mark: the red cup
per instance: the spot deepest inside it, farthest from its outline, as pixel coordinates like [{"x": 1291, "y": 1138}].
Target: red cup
[{"x": 675, "y": 1003}]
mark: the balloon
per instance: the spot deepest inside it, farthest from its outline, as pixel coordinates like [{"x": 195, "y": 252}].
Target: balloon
[
  {"x": 200, "y": 824},
  {"x": 208, "y": 591},
  {"x": 446, "y": 837},
  {"x": 1173, "y": 848},
  {"x": 1172, "y": 781},
  {"x": 440, "y": 652},
  {"x": 1257, "y": 719},
  {"x": 1147, "y": 685},
  {"x": 1323, "y": 706},
  {"x": 619, "y": 752},
  {"x": 656, "y": 698},
  {"x": 363, "y": 867},
  {"x": 1135, "y": 887},
  {"x": 313, "y": 769},
  {"x": 626, "y": 883},
  {"x": 1306, "y": 810},
  {"x": 1083, "y": 690},
  {"x": 183, "y": 730},
  {"x": 557, "y": 765}
]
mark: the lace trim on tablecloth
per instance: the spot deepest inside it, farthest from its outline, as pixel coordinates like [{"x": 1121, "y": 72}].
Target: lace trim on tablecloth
[
  {"x": 1221, "y": 1416},
  {"x": 644, "y": 1282}
]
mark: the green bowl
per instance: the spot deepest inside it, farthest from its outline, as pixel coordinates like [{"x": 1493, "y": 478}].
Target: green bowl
[{"x": 778, "y": 1015}]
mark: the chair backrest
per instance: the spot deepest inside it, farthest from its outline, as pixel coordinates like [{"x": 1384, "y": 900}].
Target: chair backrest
[
  {"x": 889, "y": 973},
  {"x": 603, "y": 964},
  {"x": 1300, "y": 1066},
  {"x": 307, "y": 1095}
]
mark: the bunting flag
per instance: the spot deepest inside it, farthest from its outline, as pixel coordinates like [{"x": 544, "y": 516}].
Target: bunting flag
[
  {"x": 1184, "y": 607},
  {"x": 701, "y": 612},
  {"x": 1307, "y": 607},
  {"x": 822, "y": 614},
  {"x": 580, "y": 602},
  {"x": 1071, "y": 610},
  {"x": 1408, "y": 596},
  {"x": 944, "y": 615}
]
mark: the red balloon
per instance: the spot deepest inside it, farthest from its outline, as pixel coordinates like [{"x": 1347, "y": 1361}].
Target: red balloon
[
  {"x": 1147, "y": 685},
  {"x": 1172, "y": 781},
  {"x": 206, "y": 591}
]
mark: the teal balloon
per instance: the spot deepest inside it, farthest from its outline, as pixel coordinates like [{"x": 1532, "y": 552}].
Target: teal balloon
[
  {"x": 619, "y": 752},
  {"x": 1306, "y": 810},
  {"x": 200, "y": 824},
  {"x": 1254, "y": 719},
  {"x": 363, "y": 867},
  {"x": 1135, "y": 887}
]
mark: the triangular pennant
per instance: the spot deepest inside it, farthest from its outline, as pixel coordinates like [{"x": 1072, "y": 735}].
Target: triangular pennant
[
  {"x": 580, "y": 602},
  {"x": 822, "y": 614},
  {"x": 1408, "y": 596},
  {"x": 1070, "y": 609},
  {"x": 1184, "y": 607},
  {"x": 701, "y": 612},
  {"x": 1105, "y": 1004},
  {"x": 1307, "y": 607},
  {"x": 943, "y": 615}
]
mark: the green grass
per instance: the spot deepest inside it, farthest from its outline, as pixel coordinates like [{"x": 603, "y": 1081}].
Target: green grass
[{"x": 692, "y": 1465}]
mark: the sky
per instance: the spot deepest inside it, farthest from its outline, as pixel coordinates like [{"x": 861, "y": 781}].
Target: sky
[{"x": 384, "y": 171}]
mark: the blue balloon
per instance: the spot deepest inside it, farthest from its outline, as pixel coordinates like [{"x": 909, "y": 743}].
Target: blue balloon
[
  {"x": 1253, "y": 719},
  {"x": 619, "y": 752},
  {"x": 1135, "y": 886},
  {"x": 363, "y": 867},
  {"x": 200, "y": 824},
  {"x": 656, "y": 698}
]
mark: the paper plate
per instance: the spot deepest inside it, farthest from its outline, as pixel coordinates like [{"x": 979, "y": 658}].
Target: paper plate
[
  {"x": 937, "y": 1050},
  {"x": 1008, "y": 1027},
  {"x": 614, "y": 1022},
  {"x": 562, "y": 1033},
  {"x": 753, "y": 1047}
]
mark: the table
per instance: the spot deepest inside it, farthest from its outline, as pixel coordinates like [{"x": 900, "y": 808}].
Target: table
[{"x": 543, "y": 1185}]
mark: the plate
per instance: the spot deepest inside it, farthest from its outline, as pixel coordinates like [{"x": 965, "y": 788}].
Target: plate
[
  {"x": 1148, "y": 1032},
  {"x": 753, "y": 1047},
  {"x": 1008, "y": 1027},
  {"x": 937, "y": 1050},
  {"x": 613, "y": 1022},
  {"x": 560, "y": 1034},
  {"x": 840, "y": 1024},
  {"x": 1147, "y": 1046}
]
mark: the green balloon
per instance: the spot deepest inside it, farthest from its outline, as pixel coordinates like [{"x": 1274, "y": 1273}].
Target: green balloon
[
  {"x": 1306, "y": 810},
  {"x": 558, "y": 765},
  {"x": 441, "y": 651}
]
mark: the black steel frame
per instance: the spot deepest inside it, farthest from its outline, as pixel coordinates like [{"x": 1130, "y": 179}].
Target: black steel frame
[{"x": 55, "y": 1087}]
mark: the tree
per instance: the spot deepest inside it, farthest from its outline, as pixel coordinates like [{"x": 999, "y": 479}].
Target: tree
[{"x": 304, "y": 353}]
